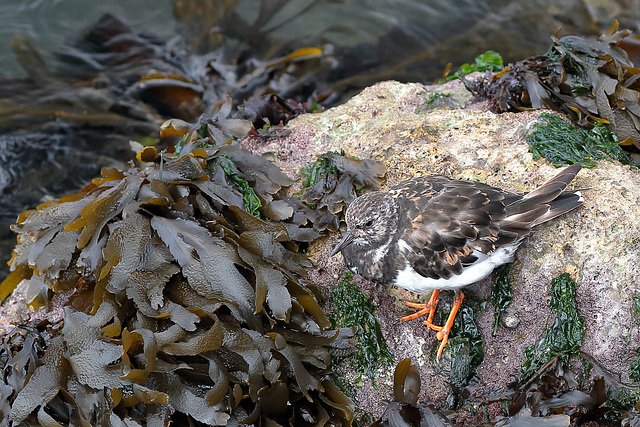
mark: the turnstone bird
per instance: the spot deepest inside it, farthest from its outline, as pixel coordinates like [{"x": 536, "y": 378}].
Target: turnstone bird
[{"x": 433, "y": 232}]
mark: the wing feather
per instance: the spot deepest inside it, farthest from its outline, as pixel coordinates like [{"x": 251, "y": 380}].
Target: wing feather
[{"x": 447, "y": 220}]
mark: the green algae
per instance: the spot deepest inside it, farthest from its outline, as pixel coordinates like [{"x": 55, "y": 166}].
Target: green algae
[
  {"x": 564, "y": 337},
  {"x": 251, "y": 201},
  {"x": 353, "y": 308},
  {"x": 634, "y": 368},
  {"x": 321, "y": 168},
  {"x": 501, "y": 293},
  {"x": 623, "y": 399},
  {"x": 489, "y": 60},
  {"x": 433, "y": 97},
  {"x": 563, "y": 144},
  {"x": 465, "y": 345}
]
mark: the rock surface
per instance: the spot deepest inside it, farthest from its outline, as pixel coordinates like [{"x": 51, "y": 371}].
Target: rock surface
[{"x": 599, "y": 243}]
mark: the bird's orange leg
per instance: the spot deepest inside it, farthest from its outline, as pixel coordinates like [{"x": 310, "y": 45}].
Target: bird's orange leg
[
  {"x": 428, "y": 308},
  {"x": 443, "y": 334}
]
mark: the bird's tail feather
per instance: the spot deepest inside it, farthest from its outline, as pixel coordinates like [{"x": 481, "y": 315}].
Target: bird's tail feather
[
  {"x": 558, "y": 183},
  {"x": 563, "y": 203},
  {"x": 547, "y": 201}
]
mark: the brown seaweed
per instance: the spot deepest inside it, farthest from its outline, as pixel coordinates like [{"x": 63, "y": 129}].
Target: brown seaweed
[
  {"x": 588, "y": 79},
  {"x": 558, "y": 395},
  {"x": 405, "y": 410},
  {"x": 331, "y": 183},
  {"x": 197, "y": 310}
]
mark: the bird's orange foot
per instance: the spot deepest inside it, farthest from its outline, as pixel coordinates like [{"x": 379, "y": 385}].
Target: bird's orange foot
[
  {"x": 443, "y": 334},
  {"x": 428, "y": 308}
]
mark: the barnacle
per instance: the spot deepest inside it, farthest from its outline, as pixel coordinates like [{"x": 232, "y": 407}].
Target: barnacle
[{"x": 199, "y": 309}]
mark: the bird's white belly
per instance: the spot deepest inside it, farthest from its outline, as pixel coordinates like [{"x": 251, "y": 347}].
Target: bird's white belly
[{"x": 409, "y": 279}]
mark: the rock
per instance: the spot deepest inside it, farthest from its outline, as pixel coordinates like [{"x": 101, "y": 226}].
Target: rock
[
  {"x": 599, "y": 242},
  {"x": 510, "y": 319}
]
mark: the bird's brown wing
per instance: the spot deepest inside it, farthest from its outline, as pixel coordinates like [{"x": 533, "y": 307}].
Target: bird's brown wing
[{"x": 447, "y": 220}]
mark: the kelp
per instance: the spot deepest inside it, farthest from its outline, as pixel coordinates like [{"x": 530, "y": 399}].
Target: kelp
[
  {"x": 555, "y": 396},
  {"x": 331, "y": 183},
  {"x": 405, "y": 410},
  {"x": 243, "y": 55},
  {"x": 591, "y": 80},
  {"x": 185, "y": 308},
  {"x": 111, "y": 84},
  {"x": 268, "y": 111},
  {"x": 584, "y": 393}
]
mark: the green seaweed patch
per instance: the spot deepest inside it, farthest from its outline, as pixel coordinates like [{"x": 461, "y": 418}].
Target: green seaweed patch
[
  {"x": 623, "y": 399},
  {"x": 635, "y": 311},
  {"x": 563, "y": 144},
  {"x": 490, "y": 60},
  {"x": 564, "y": 337},
  {"x": 634, "y": 369},
  {"x": 180, "y": 144},
  {"x": 433, "y": 97},
  {"x": 465, "y": 346},
  {"x": 321, "y": 168},
  {"x": 501, "y": 293},
  {"x": 251, "y": 201},
  {"x": 353, "y": 308},
  {"x": 203, "y": 131}
]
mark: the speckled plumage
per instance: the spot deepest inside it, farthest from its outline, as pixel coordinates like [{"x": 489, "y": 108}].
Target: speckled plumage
[{"x": 435, "y": 232}]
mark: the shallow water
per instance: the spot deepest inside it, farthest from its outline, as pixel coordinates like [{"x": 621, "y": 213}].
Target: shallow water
[
  {"x": 440, "y": 31},
  {"x": 48, "y": 23}
]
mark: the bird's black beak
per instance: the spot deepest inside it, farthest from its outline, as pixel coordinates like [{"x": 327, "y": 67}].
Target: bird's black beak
[{"x": 346, "y": 241}]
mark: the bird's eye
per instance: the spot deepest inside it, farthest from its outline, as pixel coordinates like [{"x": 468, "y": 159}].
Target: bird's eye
[{"x": 369, "y": 223}]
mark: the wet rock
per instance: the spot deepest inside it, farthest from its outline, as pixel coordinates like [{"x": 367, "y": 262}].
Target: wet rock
[{"x": 386, "y": 122}]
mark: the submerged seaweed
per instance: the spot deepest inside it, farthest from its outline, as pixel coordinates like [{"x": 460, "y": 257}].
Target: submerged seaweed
[{"x": 192, "y": 309}]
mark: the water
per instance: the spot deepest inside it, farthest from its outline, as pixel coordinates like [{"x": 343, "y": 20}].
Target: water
[
  {"x": 48, "y": 23},
  {"x": 438, "y": 31}
]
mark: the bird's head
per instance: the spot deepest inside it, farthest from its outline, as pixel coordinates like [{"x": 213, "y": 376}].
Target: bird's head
[{"x": 371, "y": 219}]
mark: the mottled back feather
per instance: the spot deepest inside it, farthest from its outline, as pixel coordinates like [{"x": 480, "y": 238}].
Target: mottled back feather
[
  {"x": 441, "y": 228},
  {"x": 446, "y": 222}
]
